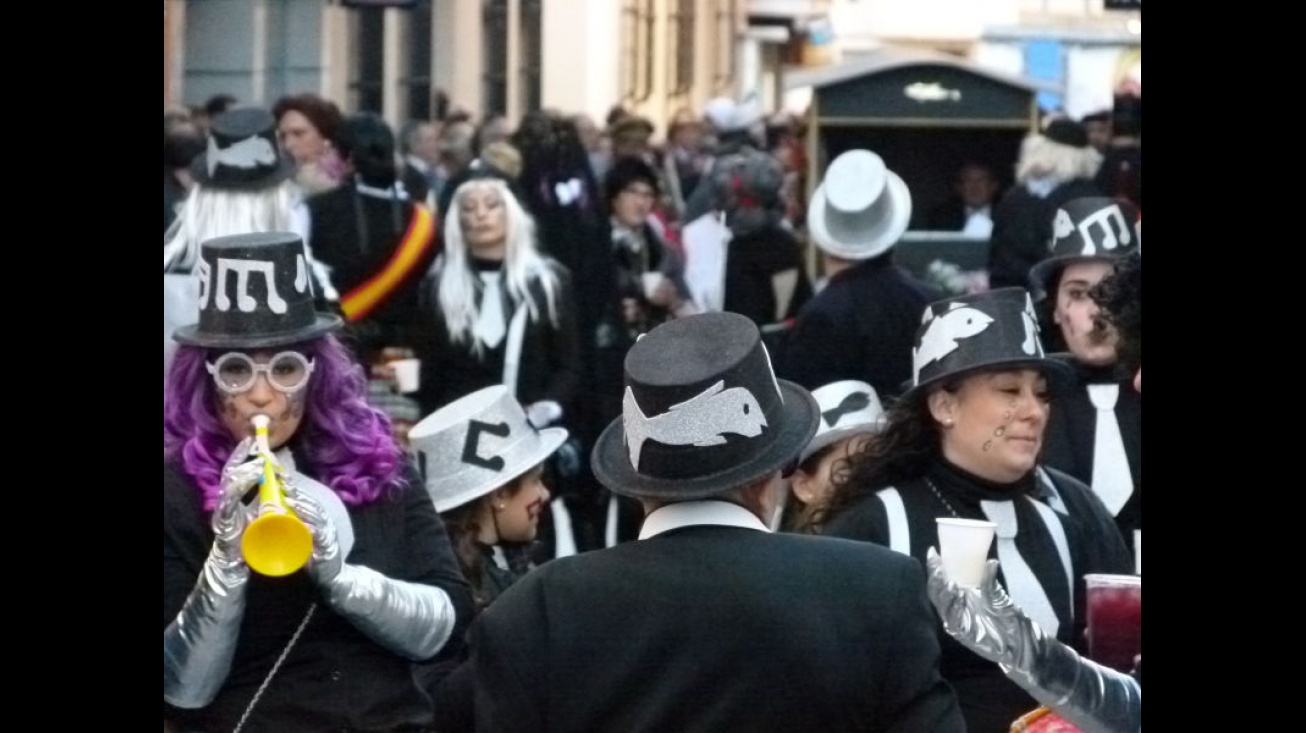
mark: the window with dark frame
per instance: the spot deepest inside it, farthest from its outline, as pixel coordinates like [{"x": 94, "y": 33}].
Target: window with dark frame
[
  {"x": 637, "y": 27},
  {"x": 418, "y": 82},
  {"x": 368, "y": 84},
  {"x": 532, "y": 44},
  {"x": 682, "y": 32},
  {"x": 494, "y": 20},
  {"x": 723, "y": 71}
]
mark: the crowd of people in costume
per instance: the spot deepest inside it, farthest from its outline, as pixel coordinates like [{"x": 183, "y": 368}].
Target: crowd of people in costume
[{"x": 677, "y": 444}]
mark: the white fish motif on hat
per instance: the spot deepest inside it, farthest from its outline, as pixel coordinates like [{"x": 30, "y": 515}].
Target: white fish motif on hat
[
  {"x": 248, "y": 153},
  {"x": 944, "y": 333},
  {"x": 1031, "y": 344},
  {"x": 702, "y": 420}
]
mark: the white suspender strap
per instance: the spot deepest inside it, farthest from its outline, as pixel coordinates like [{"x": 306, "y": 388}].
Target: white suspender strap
[
  {"x": 1058, "y": 533},
  {"x": 896, "y": 515},
  {"x": 512, "y": 352}
]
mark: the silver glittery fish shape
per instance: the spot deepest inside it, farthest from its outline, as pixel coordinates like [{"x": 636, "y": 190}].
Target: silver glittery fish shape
[
  {"x": 248, "y": 153},
  {"x": 702, "y": 420}
]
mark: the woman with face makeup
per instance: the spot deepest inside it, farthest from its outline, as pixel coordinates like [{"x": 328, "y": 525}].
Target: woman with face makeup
[
  {"x": 484, "y": 468},
  {"x": 964, "y": 440},
  {"x": 325, "y": 640}
]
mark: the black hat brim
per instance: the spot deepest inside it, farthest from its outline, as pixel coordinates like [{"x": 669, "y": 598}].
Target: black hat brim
[
  {"x": 1046, "y": 270},
  {"x": 191, "y": 335},
  {"x": 199, "y": 172},
  {"x": 800, "y": 419},
  {"x": 1058, "y": 374}
]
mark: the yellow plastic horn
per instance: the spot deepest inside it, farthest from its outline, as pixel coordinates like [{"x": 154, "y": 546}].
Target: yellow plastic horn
[{"x": 276, "y": 543}]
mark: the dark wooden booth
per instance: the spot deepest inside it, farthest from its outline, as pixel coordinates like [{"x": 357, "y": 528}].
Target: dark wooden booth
[{"x": 925, "y": 113}]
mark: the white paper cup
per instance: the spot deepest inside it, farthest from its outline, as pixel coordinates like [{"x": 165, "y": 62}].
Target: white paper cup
[
  {"x": 964, "y": 548},
  {"x": 407, "y": 374},
  {"x": 651, "y": 281}
]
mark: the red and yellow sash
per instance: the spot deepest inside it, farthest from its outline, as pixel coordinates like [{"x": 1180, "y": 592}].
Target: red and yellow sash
[{"x": 358, "y": 303}]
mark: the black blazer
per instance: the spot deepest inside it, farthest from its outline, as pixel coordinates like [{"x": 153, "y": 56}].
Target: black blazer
[
  {"x": 861, "y": 326},
  {"x": 550, "y": 357},
  {"x": 710, "y": 628}
]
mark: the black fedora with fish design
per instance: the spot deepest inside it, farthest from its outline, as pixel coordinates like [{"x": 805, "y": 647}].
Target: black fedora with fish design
[
  {"x": 242, "y": 152},
  {"x": 997, "y": 329},
  {"x": 702, "y": 412}
]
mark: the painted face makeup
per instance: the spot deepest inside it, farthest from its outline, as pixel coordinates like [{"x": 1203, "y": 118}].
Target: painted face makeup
[{"x": 998, "y": 419}]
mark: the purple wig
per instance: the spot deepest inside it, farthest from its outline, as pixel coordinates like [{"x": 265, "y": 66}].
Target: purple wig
[{"x": 346, "y": 440}]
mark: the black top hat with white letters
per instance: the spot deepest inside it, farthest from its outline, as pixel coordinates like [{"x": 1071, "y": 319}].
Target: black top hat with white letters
[
  {"x": 993, "y": 330},
  {"x": 1087, "y": 229},
  {"x": 242, "y": 152},
  {"x": 255, "y": 291},
  {"x": 703, "y": 412}
]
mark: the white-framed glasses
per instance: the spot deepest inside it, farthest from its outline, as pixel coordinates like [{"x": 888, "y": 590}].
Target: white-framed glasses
[{"x": 235, "y": 372}]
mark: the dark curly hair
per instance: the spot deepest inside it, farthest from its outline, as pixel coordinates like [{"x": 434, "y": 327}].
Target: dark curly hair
[
  {"x": 902, "y": 451},
  {"x": 1121, "y": 296},
  {"x": 322, "y": 112}
]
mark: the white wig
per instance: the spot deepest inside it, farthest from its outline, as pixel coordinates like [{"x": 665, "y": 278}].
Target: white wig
[
  {"x": 1043, "y": 158},
  {"x": 215, "y": 212},
  {"x": 522, "y": 263}
]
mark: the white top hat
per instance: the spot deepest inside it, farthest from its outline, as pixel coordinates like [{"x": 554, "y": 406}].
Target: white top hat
[
  {"x": 861, "y": 207},
  {"x": 847, "y": 408},
  {"x": 476, "y": 444}
]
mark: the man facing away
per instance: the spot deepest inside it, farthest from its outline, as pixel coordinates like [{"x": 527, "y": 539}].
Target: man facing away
[{"x": 709, "y": 622}]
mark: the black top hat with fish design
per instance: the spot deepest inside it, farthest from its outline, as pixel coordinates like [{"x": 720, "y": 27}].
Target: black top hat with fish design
[
  {"x": 255, "y": 291},
  {"x": 703, "y": 412},
  {"x": 977, "y": 332},
  {"x": 1092, "y": 228},
  {"x": 242, "y": 152}
]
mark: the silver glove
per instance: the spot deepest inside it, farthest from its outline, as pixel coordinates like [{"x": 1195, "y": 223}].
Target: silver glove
[
  {"x": 1097, "y": 699},
  {"x": 410, "y": 619},
  {"x": 198, "y": 645}
]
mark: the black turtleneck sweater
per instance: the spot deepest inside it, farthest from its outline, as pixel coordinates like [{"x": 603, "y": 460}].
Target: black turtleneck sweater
[
  {"x": 989, "y": 701},
  {"x": 1072, "y": 431}
]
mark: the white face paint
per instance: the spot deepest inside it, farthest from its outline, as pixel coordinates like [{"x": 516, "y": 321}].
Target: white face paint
[{"x": 1087, "y": 335}]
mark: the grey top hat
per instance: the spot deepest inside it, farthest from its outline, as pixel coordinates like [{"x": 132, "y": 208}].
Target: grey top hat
[
  {"x": 848, "y": 407},
  {"x": 860, "y": 209},
  {"x": 255, "y": 291},
  {"x": 1092, "y": 228},
  {"x": 978, "y": 332},
  {"x": 703, "y": 412},
  {"x": 476, "y": 444},
  {"x": 242, "y": 152}
]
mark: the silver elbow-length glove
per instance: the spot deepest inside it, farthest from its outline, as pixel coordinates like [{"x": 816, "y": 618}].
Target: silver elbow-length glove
[
  {"x": 1095, "y": 698},
  {"x": 199, "y": 644},
  {"x": 410, "y": 619}
]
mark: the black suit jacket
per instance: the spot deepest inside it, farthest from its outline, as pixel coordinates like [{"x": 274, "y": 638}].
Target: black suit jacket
[
  {"x": 861, "y": 326},
  {"x": 709, "y": 628}
]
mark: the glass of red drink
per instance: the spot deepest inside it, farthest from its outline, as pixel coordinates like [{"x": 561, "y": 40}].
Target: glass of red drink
[{"x": 1115, "y": 619}]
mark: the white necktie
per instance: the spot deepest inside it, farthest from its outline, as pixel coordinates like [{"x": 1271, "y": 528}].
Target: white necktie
[
  {"x": 490, "y": 327},
  {"x": 1022, "y": 584},
  {"x": 1111, "y": 479}
]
